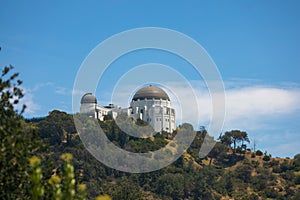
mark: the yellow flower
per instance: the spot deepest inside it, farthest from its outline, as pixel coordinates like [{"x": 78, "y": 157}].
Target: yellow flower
[
  {"x": 54, "y": 180},
  {"x": 81, "y": 187},
  {"x": 103, "y": 197},
  {"x": 34, "y": 161},
  {"x": 66, "y": 157}
]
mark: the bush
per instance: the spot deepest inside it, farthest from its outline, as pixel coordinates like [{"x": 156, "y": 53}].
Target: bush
[
  {"x": 270, "y": 193},
  {"x": 253, "y": 197},
  {"x": 266, "y": 158},
  {"x": 171, "y": 185},
  {"x": 126, "y": 189},
  {"x": 259, "y": 153},
  {"x": 244, "y": 173},
  {"x": 297, "y": 180},
  {"x": 254, "y": 163},
  {"x": 274, "y": 163},
  {"x": 296, "y": 162},
  {"x": 276, "y": 169},
  {"x": 285, "y": 166},
  {"x": 288, "y": 175}
]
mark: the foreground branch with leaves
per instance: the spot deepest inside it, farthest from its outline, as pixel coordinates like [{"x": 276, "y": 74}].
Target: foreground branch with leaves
[{"x": 17, "y": 139}]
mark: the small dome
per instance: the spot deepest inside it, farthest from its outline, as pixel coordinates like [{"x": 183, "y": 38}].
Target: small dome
[
  {"x": 88, "y": 98},
  {"x": 150, "y": 92}
]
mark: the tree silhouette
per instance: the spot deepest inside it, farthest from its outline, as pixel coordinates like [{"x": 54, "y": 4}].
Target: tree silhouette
[{"x": 234, "y": 137}]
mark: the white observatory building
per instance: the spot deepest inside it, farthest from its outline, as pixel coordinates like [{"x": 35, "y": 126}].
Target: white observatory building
[{"x": 150, "y": 104}]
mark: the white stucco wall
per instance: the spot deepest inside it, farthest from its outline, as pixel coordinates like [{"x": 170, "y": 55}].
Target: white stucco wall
[{"x": 158, "y": 113}]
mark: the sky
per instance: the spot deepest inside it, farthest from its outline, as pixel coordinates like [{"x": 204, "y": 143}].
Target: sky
[{"x": 254, "y": 44}]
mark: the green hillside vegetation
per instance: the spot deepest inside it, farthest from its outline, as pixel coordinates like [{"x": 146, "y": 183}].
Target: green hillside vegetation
[
  {"x": 63, "y": 169},
  {"x": 226, "y": 173}
]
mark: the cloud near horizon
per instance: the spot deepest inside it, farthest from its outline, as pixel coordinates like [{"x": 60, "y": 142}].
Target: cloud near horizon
[
  {"x": 249, "y": 105},
  {"x": 31, "y": 106}
]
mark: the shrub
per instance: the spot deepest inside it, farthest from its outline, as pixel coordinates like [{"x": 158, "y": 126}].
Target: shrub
[
  {"x": 274, "y": 163},
  {"x": 297, "y": 180},
  {"x": 259, "y": 153},
  {"x": 253, "y": 197},
  {"x": 270, "y": 193},
  {"x": 276, "y": 169},
  {"x": 285, "y": 166},
  {"x": 254, "y": 163},
  {"x": 266, "y": 158}
]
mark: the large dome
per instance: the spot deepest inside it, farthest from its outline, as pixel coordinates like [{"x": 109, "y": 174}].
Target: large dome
[
  {"x": 150, "y": 92},
  {"x": 88, "y": 98}
]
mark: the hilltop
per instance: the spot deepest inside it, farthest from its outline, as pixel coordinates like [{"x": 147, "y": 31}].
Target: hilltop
[{"x": 226, "y": 173}]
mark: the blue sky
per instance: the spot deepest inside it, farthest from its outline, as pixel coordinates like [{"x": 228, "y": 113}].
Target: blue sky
[{"x": 255, "y": 45}]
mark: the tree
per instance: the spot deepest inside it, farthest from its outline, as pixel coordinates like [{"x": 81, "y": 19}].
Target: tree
[
  {"x": 171, "y": 185},
  {"x": 243, "y": 173},
  {"x": 57, "y": 127},
  {"x": 18, "y": 140},
  {"x": 202, "y": 189},
  {"x": 234, "y": 137},
  {"x": 259, "y": 153},
  {"x": 296, "y": 162},
  {"x": 218, "y": 152},
  {"x": 126, "y": 189}
]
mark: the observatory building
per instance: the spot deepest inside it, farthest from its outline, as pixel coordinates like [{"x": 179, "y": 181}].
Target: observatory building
[{"x": 150, "y": 104}]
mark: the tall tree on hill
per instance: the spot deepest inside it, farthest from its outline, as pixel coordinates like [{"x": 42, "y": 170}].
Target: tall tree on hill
[{"x": 234, "y": 137}]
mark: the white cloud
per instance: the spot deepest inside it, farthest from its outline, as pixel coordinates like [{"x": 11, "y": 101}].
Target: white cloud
[
  {"x": 62, "y": 90},
  {"x": 250, "y": 105},
  {"x": 41, "y": 85},
  {"x": 31, "y": 106},
  {"x": 262, "y": 101},
  {"x": 247, "y": 106},
  {"x": 66, "y": 91}
]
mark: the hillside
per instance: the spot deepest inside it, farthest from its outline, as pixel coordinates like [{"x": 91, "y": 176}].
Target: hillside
[
  {"x": 44, "y": 158},
  {"x": 226, "y": 173}
]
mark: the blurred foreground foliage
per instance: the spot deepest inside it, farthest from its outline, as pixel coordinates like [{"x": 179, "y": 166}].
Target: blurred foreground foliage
[
  {"x": 21, "y": 174},
  {"x": 18, "y": 140}
]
